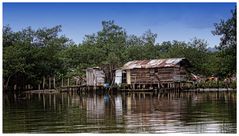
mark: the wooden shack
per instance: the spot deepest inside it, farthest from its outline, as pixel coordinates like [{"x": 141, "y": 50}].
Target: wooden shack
[
  {"x": 95, "y": 77},
  {"x": 156, "y": 73},
  {"x": 120, "y": 77}
]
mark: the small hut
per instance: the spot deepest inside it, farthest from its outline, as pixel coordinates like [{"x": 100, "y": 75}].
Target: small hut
[
  {"x": 95, "y": 77},
  {"x": 120, "y": 77},
  {"x": 156, "y": 73}
]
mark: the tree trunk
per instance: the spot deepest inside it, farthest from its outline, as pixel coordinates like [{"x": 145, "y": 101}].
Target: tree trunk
[
  {"x": 6, "y": 85},
  {"x": 7, "y": 82}
]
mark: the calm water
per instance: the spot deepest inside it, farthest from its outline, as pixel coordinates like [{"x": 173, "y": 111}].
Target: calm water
[{"x": 122, "y": 113}]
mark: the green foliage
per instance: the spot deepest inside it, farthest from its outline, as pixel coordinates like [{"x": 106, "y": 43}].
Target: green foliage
[
  {"x": 28, "y": 55},
  {"x": 233, "y": 85},
  {"x": 227, "y": 31},
  {"x": 43, "y": 52}
]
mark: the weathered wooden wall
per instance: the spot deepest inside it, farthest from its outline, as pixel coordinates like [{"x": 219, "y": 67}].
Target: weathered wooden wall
[
  {"x": 95, "y": 77},
  {"x": 156, "y": 75}
]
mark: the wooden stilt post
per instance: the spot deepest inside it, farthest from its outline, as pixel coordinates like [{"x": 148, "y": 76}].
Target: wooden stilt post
[
  {"x": 68, "y": 82},
  {"x": 15, "y": 87},
  {"x": 54, "y": 101},
  {"x": 50, "y": 100},
  {"x": 54, "y": 82},
  {"x": 39, "y": 96},
  {"x": 39, "y": 86},
  {"x": 49, "y": 86},
  {"x": 62, "y": 81},
  {"x": 43, "y": 84},
  {"x": 44, "y": 102}
]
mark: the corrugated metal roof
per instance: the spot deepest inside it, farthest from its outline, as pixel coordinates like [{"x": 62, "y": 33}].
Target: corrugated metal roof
[{"x": 152, "y": 63}]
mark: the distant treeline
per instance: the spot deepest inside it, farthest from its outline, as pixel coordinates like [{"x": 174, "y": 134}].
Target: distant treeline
[{"x": 29, "y": 55}]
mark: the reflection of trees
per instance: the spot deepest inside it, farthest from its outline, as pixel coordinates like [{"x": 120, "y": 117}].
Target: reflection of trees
[
  {"x": 142, "y": 112},
  {"x": 180, "y": 112},
  {"x": 214, "y": 107}
]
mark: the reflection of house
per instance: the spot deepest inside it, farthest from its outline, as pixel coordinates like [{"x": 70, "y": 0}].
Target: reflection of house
[
  {"x": 118, "y": 108},
  {"x": 152, "y": 114},
  {"x": 95, "y": 77},
  {"x": 156, "y": 72},
  {"x": 101, "y": 108},
  {"x": 95, "y": 107}
]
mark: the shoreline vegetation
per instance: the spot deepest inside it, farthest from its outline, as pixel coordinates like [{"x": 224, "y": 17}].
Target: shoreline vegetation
[{"x": 42, "y": 58}]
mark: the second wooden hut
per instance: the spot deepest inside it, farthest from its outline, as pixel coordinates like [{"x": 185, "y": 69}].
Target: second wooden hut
[
  {"x": 159, "y": 73},
  {"x": 95, "y": 77}
]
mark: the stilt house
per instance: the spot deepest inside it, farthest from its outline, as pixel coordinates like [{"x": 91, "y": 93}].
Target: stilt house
[{"x": 157, "y": 72}]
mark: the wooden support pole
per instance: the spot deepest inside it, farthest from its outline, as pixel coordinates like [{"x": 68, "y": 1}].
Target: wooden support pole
[
  {"x": 49, "y": 86},
  {"x": 44, "y": 101},
  {"x": 15, "y": 87},
  {"x": 39, "y": 86},
  {"x": 50, "y": 100},
  {"x": 39, "y": 96},
  {"x": 62, "y": 81},
  {"x": 54, "y": 82},
  {"x": 68, "y": 82},
  {"x": 54, "y": 101},
  {"x": 43, "y": 82}
]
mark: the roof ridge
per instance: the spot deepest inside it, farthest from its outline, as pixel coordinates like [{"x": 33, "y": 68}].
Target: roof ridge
[
  {"x": 157, "y": 59},
  {"x": 167, "y": 62}
]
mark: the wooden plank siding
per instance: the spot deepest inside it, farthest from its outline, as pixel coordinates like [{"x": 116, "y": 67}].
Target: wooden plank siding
[
  {"x": 95, "y": 77},
  {"x": 156, "y": 75}
]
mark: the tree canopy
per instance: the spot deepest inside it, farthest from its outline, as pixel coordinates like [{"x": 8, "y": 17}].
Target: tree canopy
[
  {"x": 227, "y": 30},
  {"x": 29, "y": 54}
]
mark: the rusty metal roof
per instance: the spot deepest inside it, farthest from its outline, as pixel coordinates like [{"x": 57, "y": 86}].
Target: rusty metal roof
[{"x": 172, "y": 62}]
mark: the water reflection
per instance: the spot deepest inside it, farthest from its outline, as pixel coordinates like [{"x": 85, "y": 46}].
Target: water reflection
[{"x": 187, "y": 112}]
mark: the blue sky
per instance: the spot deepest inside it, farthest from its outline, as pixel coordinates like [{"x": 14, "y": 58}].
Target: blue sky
[{"x": 171, "y": 21}]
